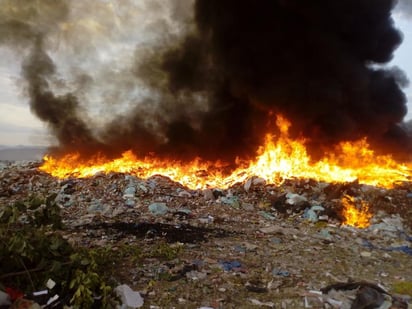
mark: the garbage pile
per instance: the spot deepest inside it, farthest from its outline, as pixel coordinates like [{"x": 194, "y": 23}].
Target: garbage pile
[{"x": 251, "y": 245}]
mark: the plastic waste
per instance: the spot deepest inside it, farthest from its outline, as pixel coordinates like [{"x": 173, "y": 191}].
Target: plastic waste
[
  {"x": 230, "y": 265},
  {"x": 293, "y": 198},
  {"x": 4, "y": 299}
]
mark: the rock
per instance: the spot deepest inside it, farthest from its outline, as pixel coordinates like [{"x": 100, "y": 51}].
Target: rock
[
  {"x": 196, "y": 275},
  {"x": 97, "y": 206},
  {"x": 208, "y": 195},
  {"x": 366, "y": 254},
  {"x": 129, "y": 298},
  {"x": 184, "y": 193},
  {"x": 367, "y": 297},
  {"x": 130, "y": 202},
  {"x": 248, "y": 206},
  {"x": 129, "y": 192},
  {"x": 158, "y": 209}
]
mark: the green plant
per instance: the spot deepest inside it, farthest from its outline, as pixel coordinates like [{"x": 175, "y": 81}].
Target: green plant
[
  {"x": 28, "y": 244},
  {"x": 402, "y": 288},
  {"x": 30, "y": 241},
  {"x": 165, "y": 251}
]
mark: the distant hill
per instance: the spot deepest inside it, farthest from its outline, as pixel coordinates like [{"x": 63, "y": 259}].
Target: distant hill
[{"x": 21, "y": 153}]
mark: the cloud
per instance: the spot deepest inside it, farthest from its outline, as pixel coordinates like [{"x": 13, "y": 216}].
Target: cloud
[{"x": 18, "y": 116}]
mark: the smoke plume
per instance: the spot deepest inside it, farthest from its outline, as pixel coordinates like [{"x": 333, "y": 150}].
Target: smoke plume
[
  {"x": 205, "y": 78},
  {"x": 404, "y": 8}
]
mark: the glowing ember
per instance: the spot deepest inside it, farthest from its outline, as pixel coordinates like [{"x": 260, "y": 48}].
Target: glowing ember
[
  {"x": 278, "y": 159},
  {"x": 355, "y": 213}
]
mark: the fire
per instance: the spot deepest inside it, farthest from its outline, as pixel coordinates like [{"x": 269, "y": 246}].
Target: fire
[
  {"x": 355, "y": 214},
  {"x": 280, "y": 158}
]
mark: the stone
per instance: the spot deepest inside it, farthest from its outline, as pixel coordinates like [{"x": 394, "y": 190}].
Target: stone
[
  {"x": 158, "y": 209},
  {"x": 129, "y": 298},
  {"x": 208, "y": 195}
]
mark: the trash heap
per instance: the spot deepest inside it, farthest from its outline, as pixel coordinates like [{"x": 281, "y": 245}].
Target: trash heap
[{"x": 161, "y": 245}]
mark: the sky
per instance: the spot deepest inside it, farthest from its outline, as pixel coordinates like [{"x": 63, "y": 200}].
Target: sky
[{"x": 18, "y": 126}]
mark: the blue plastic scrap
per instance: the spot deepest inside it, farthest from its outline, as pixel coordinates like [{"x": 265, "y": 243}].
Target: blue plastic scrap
[
  {"x": 280, "y": 272},
  {"x": 230, "y": 265},
  {"x": 404, "y": 249}
]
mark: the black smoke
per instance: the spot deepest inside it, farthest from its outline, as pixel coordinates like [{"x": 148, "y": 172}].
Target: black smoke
[
  {"x": 24, "y": 32},
  {"x": 213, "y": 93},
  {"x": 319, "y": 63}
]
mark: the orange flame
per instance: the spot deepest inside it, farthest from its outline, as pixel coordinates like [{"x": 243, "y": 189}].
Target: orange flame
[
  {"x": 278, "y": 159},
  {"x": 355, "y": 214}
]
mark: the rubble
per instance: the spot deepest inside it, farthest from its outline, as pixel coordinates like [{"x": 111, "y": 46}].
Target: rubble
[{"x": 252, "y": 245}]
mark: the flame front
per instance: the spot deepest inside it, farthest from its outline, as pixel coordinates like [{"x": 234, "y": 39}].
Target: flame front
[
  {"x": 278, "y": 159},
  {"x": 355, "y": 214}
]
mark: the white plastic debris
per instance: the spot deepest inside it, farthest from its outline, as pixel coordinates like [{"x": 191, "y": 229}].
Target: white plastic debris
[
  {"x": 52, "y": 299},
  {"x": 4, "y": 299},
  {"x": 292, "y": 199},
  {"x": 130, "y": 298},
  {"x": 39, "y": 293},
  {"x": 259, "y": 303},
  {"x": 248, "y": 184},
  {"x": 50, "y": 284}
]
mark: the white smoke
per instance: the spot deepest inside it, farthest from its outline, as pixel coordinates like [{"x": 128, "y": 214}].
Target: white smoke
[{"x": 404, "y": 8}]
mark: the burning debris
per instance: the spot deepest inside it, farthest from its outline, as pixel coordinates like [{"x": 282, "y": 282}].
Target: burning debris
[
  {"x": 355, "y": 215},
  {"x": 279, "y": 159}
]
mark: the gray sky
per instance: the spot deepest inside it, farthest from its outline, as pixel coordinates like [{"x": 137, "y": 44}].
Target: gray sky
[{"x": 19, "y": 127}]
